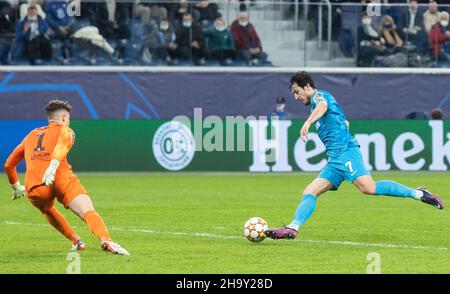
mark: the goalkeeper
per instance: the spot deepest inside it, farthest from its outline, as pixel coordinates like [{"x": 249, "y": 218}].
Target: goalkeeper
[{"x": 49, "y": 176}]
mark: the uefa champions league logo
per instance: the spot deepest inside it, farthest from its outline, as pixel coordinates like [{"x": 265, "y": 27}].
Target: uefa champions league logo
[{"x": 173, "y": 146}]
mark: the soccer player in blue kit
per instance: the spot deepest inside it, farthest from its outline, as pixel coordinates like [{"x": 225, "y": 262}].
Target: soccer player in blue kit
[{"x": 344, "y": 158}]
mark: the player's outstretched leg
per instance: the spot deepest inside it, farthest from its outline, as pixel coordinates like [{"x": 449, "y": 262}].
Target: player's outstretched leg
[
  {"x": 304, "y": 210},
  {"x": 391, "y": 188},
  {"x": 82, "y": 206},
  {"x": 59, "y": 222}
]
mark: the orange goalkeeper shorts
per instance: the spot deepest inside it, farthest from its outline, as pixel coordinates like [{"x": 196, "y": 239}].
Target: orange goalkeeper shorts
[{"x": 64, "y": 190}]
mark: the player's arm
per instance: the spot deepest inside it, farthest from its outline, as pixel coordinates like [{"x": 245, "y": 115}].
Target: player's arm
[
  {"x": 11, "y": 171},
  {"x": 65, "y": 142},
  {"x": 317, "y": 113}
]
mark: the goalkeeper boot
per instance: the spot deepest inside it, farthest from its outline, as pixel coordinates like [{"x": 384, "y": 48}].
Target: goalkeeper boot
[
  {"x": 79, "y": 245},
  {"x": 281, "y": 233},
  {"x": 114, "y": 248},
  {"x": 430, "y": 198}
]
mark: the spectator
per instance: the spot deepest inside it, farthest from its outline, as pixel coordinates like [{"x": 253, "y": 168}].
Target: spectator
[
  {"x": 110, "y": 17},
  {"x": 389, "y": 33},
  {"x": 440, "y": 38},
  {"x": 37, "y": 3},
  {"x": 220, "y": 42},
  {"x": 32, "y": 33},
  {"x": 412, "y": 27},
  {"x": 437, "y": 113},
  {"x": 370, "y": 42},
  {"x": 207, "y": 12},
  {"x": 150, "y": 9},
  {"x": 177, "y": 11},
  {"x": 417, "y": 115},
  {"x": 280, "y": 110},
  {"x": 246, "y": 39},
  {"x": 161, "y": 41},
  {"x": 62, "y": 24},
  {"x": 431, "y": 16},
  {"x": 58, "y": 19},
  {"x": 190, "y": 41},
  {"x": 7, "y": 23}
]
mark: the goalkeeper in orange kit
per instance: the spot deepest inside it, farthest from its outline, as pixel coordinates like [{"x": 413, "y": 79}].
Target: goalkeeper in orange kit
[{"x": 49, "y": 176}]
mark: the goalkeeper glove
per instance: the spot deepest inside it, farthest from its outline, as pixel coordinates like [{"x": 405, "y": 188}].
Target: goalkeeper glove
[
  {"x": 18, "y": 191},
  {"x": 49, "y": 175}
]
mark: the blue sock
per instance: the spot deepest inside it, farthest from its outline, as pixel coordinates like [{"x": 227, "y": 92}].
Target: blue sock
[
  {"x": 391, "y": 188},
  {"x": 304, "y": 211}
]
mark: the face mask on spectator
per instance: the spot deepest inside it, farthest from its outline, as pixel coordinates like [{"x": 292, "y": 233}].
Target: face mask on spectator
[
  {"x": 32, "y": 18},
  {"x": 388, "y": 26},
  {"x": 243, "y": 23},
  {"x": 366, "y": 21},
  {"x": 187, "y": 23},
  {"x": 164, "y": 26},
  {"x": 220, "y": 28},
  {"x": 444, "y": 23}
]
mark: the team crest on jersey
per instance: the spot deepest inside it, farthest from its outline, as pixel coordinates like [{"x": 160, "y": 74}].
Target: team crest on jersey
[{"x": 317, "y": 97}]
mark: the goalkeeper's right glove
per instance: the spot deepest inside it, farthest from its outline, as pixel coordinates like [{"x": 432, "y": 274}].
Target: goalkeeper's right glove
[{"x": 18, "y": 191}]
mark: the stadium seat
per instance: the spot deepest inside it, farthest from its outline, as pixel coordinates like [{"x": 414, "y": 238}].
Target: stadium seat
[
  {"x": 440, "y": 64},
  {"x": 56, "y": 50},
  {"x": 133, "y": 50},
  {"x": 211, "y": 62},
  {"x": 154, "y": 62},
  {"x": 237, "y": 62},
  {"x": 43, "y": 62},
  {"x": 76, "y": 61},
  {"x": 4, "y": 52},
  {"x": 100, "y": 61},
  {"x": 182, "y": 62},
  {"x": 21, "y": 61},
  {"x": 136, "y": 28}
]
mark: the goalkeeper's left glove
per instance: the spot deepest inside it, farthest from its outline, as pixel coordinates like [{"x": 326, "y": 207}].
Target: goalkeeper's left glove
[
  {"x": 18, "y": 191},
  {"x": 49, "y": 175}
]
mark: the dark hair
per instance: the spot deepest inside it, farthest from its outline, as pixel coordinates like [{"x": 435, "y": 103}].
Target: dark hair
[
  {"x": 280, "y": 100},
  {"x": 436, "y": 113},
  {"x": 302, "y": 78},
  {"x": 55, "y": 105}
]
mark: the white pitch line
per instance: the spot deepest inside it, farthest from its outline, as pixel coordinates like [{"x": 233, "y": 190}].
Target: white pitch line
[{"x": 219, "y": 236}]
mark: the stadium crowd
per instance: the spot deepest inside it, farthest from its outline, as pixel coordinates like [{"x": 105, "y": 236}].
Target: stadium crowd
[
  {"x": 404, "y": 33},
  {"x": 109, "y": 32}
]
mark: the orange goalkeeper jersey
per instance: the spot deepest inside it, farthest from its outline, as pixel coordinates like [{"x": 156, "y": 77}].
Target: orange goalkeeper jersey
[{"x": 38, "y": 148}]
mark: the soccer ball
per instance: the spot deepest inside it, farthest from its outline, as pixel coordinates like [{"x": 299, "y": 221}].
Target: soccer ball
[{"x": 254, "y": 229}]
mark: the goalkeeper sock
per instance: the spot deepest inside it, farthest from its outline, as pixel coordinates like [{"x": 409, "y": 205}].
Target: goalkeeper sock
[
  {"x": 304, "y": 211},
  {"x": 391, "y": 188},
  {"x": 59, "y": 222},
  {"x": 96, "y": 225}
]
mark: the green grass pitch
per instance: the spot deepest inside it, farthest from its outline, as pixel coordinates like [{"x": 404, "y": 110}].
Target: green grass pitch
[{"x": 192, "y": 223}]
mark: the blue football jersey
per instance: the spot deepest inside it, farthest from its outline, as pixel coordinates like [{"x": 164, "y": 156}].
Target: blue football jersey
[{"x": 331, "y": 127}]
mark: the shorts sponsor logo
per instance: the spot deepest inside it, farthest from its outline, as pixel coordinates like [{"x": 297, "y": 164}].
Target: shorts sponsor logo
[{"x": 173, "y": 146}]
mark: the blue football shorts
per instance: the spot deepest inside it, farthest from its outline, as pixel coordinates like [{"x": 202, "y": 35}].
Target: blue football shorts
[{"x": 348, "y": 165}]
